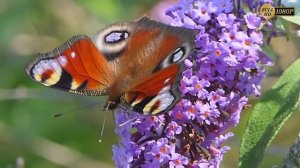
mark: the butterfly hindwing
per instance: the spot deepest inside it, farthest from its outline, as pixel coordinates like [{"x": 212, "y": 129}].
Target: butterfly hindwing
[
  {"x": 157, "y": 93},
  {"x": 76, "y": 66}
]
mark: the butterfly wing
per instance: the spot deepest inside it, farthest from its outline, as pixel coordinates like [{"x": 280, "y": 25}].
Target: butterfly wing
[
  {"x": 77, "y": 66},
  {"x": 156, "y": 93}
]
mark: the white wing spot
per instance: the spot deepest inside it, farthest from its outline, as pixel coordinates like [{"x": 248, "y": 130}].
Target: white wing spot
[
  {"x": 167, "y": 80},
  {"x": 63, "y": 60},
  {"x": 73, "y": 54}
]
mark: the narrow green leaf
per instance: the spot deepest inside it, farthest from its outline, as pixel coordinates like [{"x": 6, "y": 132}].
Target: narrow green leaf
[{"x": 273, "y": 109}]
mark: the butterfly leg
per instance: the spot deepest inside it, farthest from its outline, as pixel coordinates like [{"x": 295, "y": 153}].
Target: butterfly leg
[{"x": 111, "y": 105}]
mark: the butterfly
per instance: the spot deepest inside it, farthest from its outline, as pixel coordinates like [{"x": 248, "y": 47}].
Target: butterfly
[{"x": 137, "y": 64}]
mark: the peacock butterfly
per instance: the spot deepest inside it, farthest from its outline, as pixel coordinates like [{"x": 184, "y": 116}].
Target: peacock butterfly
[{"x": 135, "y": 63}]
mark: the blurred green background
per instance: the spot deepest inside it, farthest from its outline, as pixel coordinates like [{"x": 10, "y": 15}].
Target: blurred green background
[{"x": 27, "y": 128}]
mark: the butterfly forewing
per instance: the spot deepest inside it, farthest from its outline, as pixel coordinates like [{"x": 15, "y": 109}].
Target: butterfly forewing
[{"x": 76, "y": 66}]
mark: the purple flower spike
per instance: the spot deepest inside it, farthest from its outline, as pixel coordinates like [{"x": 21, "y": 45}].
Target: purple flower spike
[{"x": 226, "y": 68}]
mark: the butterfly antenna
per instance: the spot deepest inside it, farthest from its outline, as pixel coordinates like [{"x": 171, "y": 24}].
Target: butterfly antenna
[
  {"x": 103, "y": 124},
  {"x": 74, "y": 110}
]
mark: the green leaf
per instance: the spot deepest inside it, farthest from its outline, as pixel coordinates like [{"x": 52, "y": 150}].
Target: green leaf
[
  {"x": 293, "y": 19},
  {"x": 273, "y": 109}
]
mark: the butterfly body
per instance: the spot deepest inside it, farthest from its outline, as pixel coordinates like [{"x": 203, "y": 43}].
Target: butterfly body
[{"x": 134, "y": 63}]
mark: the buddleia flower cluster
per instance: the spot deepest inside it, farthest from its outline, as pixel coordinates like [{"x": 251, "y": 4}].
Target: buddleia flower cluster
[{"x": 226, "y": 68}]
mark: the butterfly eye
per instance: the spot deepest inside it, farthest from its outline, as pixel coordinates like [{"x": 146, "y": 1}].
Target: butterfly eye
[
  {"x": 178, "y": 54},
  {"x": 116, "y": 36}
]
